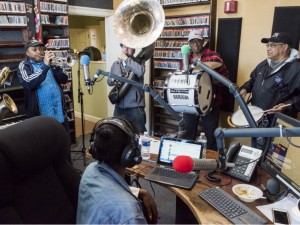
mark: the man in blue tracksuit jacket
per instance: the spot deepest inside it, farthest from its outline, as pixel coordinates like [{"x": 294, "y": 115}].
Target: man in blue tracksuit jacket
[{"x": 41, "y": 82}]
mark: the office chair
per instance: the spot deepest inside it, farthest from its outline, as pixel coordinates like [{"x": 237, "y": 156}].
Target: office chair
[{"x": 37, "y": 183}]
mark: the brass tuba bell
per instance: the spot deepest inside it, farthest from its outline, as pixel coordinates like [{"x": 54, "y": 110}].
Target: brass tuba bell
[
  {"x": 4, "y": 75},
  {"x": 7, "y": 105},
  {"x": 138, "y": 23}
]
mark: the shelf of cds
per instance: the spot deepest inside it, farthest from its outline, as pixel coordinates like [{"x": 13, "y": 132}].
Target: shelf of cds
[
  {"x": 52, "y": 28},
  {"x": 167, "y": 57},
  {"x": 13, "y": 36},
  {"x": 180, "y": 3},
  {"x": 167, "y": 54}
]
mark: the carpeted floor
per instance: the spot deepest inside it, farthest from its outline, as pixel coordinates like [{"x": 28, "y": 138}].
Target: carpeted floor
[{"x": 165, "y": 199}]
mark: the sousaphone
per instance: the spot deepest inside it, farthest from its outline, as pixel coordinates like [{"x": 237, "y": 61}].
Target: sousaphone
[{"x": 137, "y": 24}]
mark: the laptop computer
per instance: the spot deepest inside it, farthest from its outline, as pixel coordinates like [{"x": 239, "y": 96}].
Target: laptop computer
[{"x": 169, "y": 149}]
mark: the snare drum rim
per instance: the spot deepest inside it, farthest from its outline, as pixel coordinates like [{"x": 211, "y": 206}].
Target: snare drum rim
[{"x": 251, "y": 109}]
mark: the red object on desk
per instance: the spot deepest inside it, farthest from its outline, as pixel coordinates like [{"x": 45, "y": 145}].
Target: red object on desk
[{"x": 183, "y": 164}]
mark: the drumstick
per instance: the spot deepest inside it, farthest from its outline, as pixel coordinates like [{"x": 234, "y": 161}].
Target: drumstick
[{"x": 268, "y": 110}]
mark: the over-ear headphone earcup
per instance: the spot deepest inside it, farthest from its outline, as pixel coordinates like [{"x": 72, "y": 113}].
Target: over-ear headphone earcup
[
  {"x": 92, "y": 150},
  {"x": 131, "y": 156}
]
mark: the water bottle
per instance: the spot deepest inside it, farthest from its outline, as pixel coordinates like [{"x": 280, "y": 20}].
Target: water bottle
[
  {"x": 202, "y": 139},
  {"x": 146, "y": 146}
]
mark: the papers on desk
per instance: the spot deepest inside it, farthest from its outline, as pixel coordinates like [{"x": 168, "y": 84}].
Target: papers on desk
[
  {"x": 154, "y": 145},
  {"x": 287, "y": 203}
]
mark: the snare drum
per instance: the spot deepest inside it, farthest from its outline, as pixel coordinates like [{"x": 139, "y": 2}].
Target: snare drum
[
  {"x": 191, "y": 94},
  {"x": 239, "y": 120}
]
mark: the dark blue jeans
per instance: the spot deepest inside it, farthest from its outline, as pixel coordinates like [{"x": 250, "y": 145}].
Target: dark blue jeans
[
  {"x": 137, "y": 115},
  {"x": 210, "y": 123}
]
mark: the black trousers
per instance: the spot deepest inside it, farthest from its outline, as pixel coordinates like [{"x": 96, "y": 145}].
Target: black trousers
[{"x": 210, "y": 123}]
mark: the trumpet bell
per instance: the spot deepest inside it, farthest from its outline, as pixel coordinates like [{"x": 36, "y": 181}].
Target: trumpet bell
[
  {"x": 138, "y": 23},
  {"x": 71, "y": 60},
  {"x": 4, "y": 75},
  {"x": 7, "y": 105}
]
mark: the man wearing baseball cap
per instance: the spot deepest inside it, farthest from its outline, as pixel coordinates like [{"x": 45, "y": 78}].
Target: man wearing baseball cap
[
  {"x": 275, "y": 82},
  {"x": 210, "y": 121},
  {"x": 41, "y": 83}
]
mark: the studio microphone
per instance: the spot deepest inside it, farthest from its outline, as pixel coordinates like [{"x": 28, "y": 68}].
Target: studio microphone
[
  {"x": 95, "y": 79},
  {"x": 185, "y": 50},
  {"x": 185, "y": 164},
  {"x": 85, "y": 61}
]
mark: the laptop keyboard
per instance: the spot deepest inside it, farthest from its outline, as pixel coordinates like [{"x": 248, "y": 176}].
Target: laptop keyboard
[{"x": 174, "y": 174}]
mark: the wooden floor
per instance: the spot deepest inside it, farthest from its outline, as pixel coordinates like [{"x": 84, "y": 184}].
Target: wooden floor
[{"x": 87, "y": 128}]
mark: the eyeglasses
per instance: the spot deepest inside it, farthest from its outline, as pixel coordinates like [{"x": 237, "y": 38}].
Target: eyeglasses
[
  {"x": 273, "y": 45},
  {"x": 194, "y": 42}
]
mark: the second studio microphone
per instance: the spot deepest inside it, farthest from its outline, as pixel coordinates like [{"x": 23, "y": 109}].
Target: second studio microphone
[
  {"x": 185, "y": 50},
  {"x": 185, "y": 164},
  {"x": 85, "y": 62}
]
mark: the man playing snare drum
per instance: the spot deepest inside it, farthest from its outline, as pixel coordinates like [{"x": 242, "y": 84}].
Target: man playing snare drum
[
  {"x": 275, "y": 82},
  {"x": 211, "y": 119}
]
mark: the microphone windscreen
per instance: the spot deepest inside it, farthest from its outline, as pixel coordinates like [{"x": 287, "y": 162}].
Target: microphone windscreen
[
  {"x": 185, "y": 49},
  {"x": 85, "y": 60},
  {"x": 183, "y": 164},
  {"x": 273, "y": 186}
]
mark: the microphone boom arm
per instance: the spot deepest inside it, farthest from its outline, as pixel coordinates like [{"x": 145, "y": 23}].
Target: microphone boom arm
[
  {"x": 221, "y": 133},
  {"x": 233, "y": 89},
  {"x": 150, "y": 90}
]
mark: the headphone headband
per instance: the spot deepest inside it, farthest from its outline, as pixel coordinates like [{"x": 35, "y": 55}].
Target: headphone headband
[
  {"x": 122, "y": 123},
  {"x": 132, "y": 153}
]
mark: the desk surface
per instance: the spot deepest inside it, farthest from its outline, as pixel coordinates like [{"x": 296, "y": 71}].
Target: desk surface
[{"x": 203, "y": 212}]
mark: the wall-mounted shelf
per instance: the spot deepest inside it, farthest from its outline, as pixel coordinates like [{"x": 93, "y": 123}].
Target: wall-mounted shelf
[
  {"x": 13, "y": 36},
  {"x": 182, "y": 3}
]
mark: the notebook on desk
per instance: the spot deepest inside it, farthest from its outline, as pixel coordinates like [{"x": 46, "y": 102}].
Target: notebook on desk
[{"x": 169, "y": 149}]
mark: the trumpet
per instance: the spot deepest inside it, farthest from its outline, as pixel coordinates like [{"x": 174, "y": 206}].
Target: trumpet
[{"x": 69, "y": 60}]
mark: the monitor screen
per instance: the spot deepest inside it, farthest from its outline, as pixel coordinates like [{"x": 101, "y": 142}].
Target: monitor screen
[{"x": 282, "y": 155}]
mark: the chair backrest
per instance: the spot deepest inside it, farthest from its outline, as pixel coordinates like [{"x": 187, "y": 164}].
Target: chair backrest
[{"x": 37, "y": 183}]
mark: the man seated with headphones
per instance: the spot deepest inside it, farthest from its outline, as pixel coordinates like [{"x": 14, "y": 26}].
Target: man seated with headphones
[{"x": 104, "y": 196}]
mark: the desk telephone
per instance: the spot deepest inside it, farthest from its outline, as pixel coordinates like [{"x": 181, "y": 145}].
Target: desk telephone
[{"x": 245, "y": 156}]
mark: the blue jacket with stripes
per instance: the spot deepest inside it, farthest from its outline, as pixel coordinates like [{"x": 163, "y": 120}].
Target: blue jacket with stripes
[{"x": 31, "y": 80}]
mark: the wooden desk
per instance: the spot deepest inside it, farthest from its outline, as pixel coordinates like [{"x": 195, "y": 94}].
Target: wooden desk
[{"x": 202, "y": 212}]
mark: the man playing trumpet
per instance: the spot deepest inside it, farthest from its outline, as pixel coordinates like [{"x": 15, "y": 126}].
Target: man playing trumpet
[{"x": 41, "y": 82}]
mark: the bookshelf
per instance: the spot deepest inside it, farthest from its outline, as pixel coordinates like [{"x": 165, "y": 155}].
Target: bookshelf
[
  {"x": 52, "y": 29},
  {"x": 13, "y": 36},
  {"x": 167, "y": 56}
]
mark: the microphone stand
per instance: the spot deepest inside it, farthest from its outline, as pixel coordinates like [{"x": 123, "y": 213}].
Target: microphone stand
[
  {"x": 80, "y": 100},
  {"x": 155, "y": 95}
]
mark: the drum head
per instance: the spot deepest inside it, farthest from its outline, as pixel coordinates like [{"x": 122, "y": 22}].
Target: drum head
[
  {"x": 238, "y": 118},
  {"x": 205, "y": 94}
]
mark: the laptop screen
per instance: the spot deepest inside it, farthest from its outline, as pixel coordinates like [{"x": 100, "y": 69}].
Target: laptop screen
[{"x": 170, "y": 148}]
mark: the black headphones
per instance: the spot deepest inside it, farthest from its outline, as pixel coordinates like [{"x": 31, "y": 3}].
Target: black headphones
[{"x": 131, "y": 155}]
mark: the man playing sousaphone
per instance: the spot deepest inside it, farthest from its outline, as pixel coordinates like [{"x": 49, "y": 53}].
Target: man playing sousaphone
[{"x": 132, "y": 103}]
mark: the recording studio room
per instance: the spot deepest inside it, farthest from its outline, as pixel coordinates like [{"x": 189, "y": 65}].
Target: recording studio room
[{"x": 149, "y": 111}]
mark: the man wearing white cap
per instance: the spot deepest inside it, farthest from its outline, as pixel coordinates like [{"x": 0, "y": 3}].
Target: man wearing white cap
[{"x": 210, "y": 121}]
